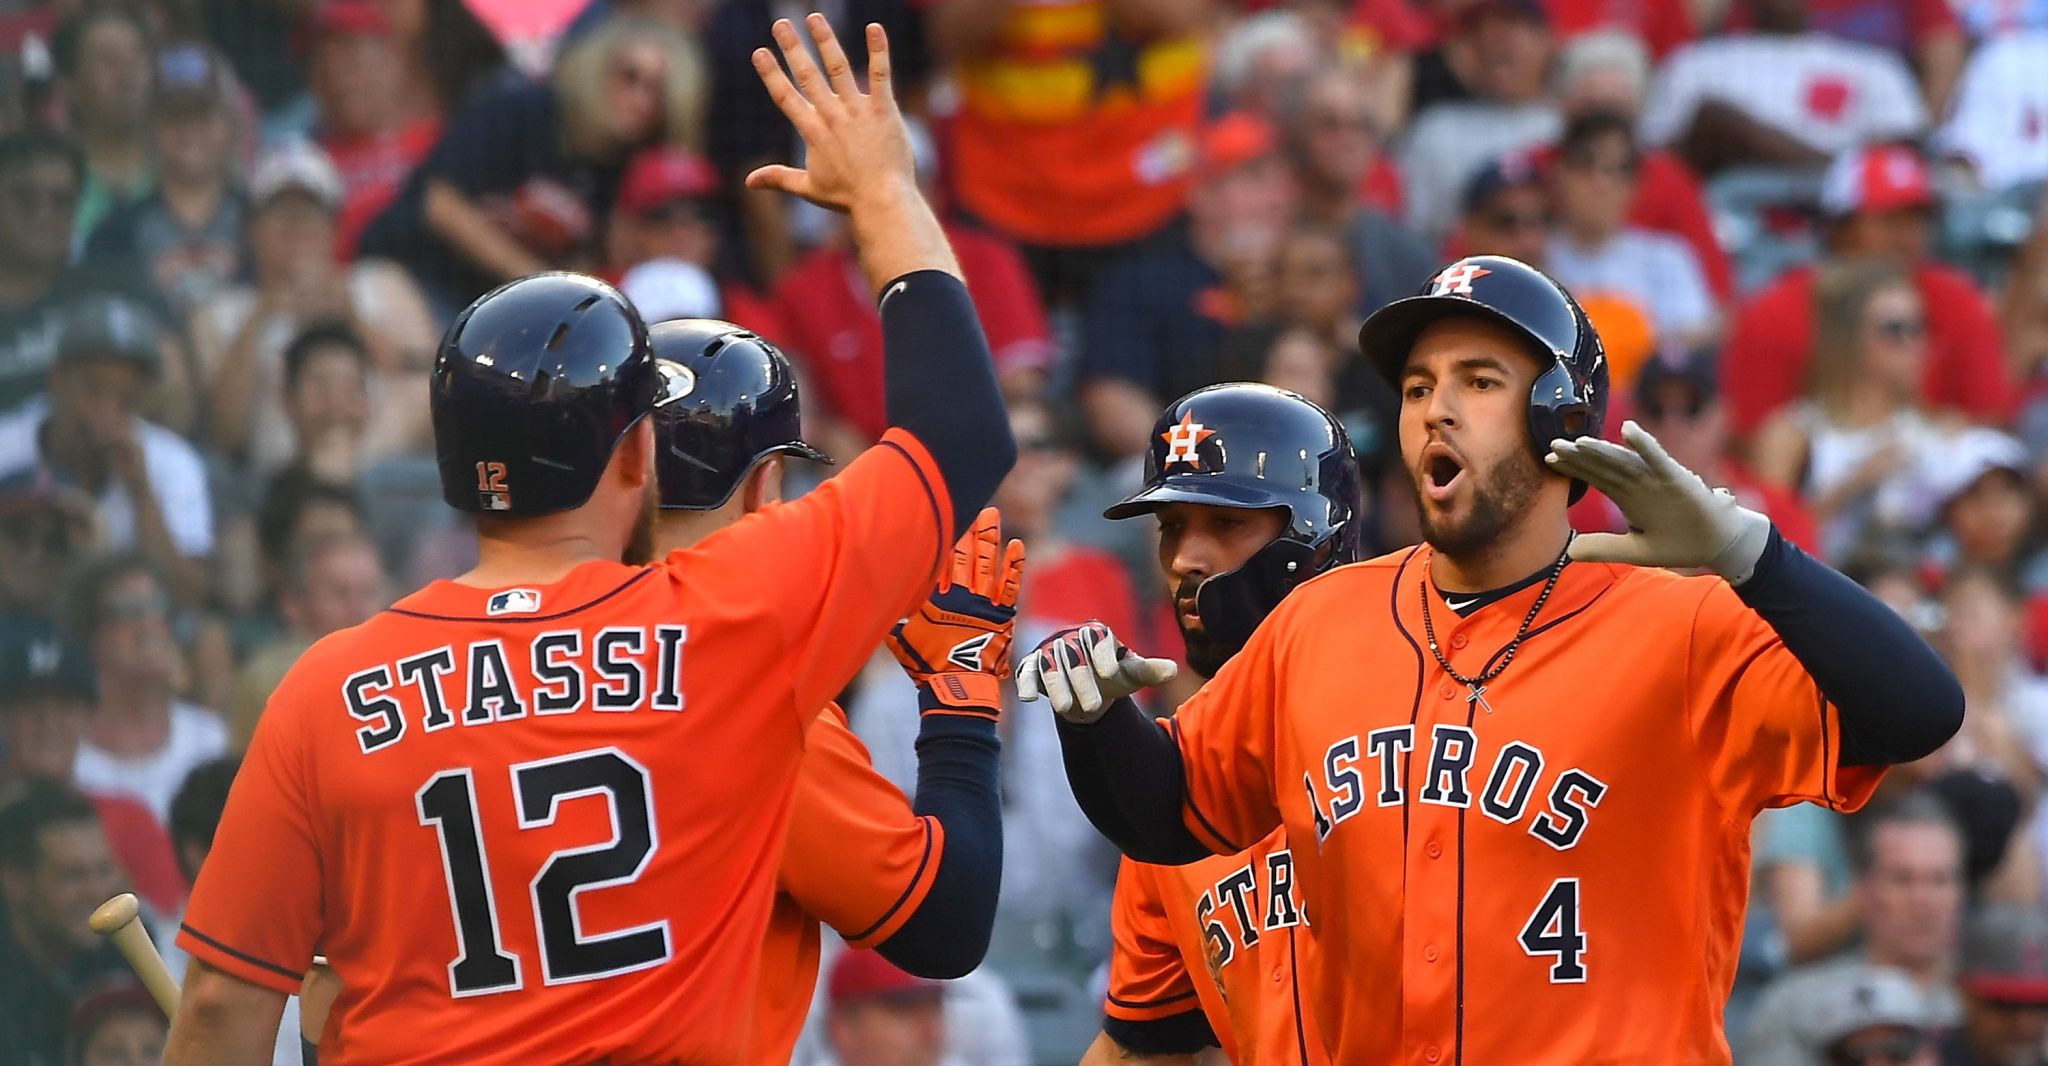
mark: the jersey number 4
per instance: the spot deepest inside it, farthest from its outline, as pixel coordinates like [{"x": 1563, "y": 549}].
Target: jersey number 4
[
  {"x": 447, "y": 803},
  {"x": 1554, "y": 931}
]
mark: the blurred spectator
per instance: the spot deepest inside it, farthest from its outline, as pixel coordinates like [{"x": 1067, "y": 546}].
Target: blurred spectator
[
  {"x": 119, "y": 1025},
  {"x": 1999, "y": 124},
  {"x": 149, "y": 484},
  {"x": 663, "y": 243},
  {"x": 256, "y": 38},
  {"x": 1860, "y": 1016},
  {"x": 1157, "y": 315},
  {"x": 330, "y": 584},
  {"x": 2023, "y": 312},
  {"x": 368, "y": 123},
  {"x": 1909, "y": 895},
  {"x": 195, "y": 818},
  {"x": 1877, "y": 203},
  {"x": 1337, "y": 161},
  {"x": 141, "y": 740},
  {"x": 1260, "y": 57},
  {"x": 54, "y": 871},
  {"x": 240, "y": 336},
  {"x": 1505, "y": 210},
  {"x": 525, "y": 175},
  {"x": 1677, "y": 398},
  {"x": 293, "y": 509},
  {"x": 1982, "y": 638},
  {"x": 2004, "y": 975},
  {"x": 1987, "y": 511},
  {"x": 881, "y": 1016},
  {"x": 1861, "y": 450},
  {"x": 1783, "y": 94},
  {"x": 449, "y": 55},
  {"x": 1075, "y": 125},
  {"x": 1662, "y": 25},
  {"x": 46, "y": 526},
  {"x": 1924, "y": 33},
  {"x": 327, "y": 397},
  {"x": 1989, "y": 20},
  {"x": 1608, "y": 72},
  {"x": 1593, "y": 249},
  {"x": 46, "y": 694},
  {"x": 102, "y": 52},
  {"x": 1509, "y": 42},
  {"x": 39, "y": 190},
  {"x": 831, "y": 321},
  {"x": 182, "y": 242}
]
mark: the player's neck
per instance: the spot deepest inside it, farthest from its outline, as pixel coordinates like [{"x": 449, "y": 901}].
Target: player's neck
[
  {"x": 535, "y": 552},
  {"x": 1520, "y": 551}
]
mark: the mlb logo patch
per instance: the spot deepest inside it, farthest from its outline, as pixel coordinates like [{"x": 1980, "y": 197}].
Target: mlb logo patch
[{"x": 514, "y": 601}]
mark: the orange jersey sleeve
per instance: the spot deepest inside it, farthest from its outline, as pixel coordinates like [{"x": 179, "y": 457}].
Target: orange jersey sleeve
[
  {"x": 257, "y": 906},
  {"x": 1148, "y": 979},
  {"x": 1226, "y": 736},
  {"x": 857, "y": 858},
  {"x": 1767, "y": 735},
  {"x": 842, "y": 564}
]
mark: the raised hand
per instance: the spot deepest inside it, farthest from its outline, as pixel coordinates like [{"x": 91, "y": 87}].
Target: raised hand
[
  {"x": 956, "y": 645},
  {"x": 1674, "y": 519},
  {"x": 855, "y": 143}
]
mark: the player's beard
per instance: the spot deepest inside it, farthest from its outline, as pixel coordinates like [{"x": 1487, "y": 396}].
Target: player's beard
[
  {"x": 1205, "y": 654},
  {"x": 1500, "y": 500},
  {"x": 640, "y": 546}
]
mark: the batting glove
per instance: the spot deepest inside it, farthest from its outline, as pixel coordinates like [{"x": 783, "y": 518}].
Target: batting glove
[
  {"x": 1083, "y": 669},
  {"x": 1674, "y": 519},
  {"x": 957, "y": 644}
]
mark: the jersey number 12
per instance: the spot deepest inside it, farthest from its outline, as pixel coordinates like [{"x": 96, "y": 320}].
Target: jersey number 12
[{"x": 447, "y": 803}]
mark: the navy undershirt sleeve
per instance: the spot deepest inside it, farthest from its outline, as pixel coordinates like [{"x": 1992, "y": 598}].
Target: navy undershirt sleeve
[
  {"x": 1178, "y": 1034},
  {"x": 939, "y": 384},
  {"x": 1126, "y": 775},
  {"x": 1898, "y": 701},
  {"x": 957, "y": 784}
]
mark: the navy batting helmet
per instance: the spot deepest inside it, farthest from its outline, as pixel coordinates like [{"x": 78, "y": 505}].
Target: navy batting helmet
[
  {"x": 1255, "y": 447},
  {"x": 535, "y": 385},
  {"x": 1569, "y": 398},
  {"x": 729, "y": 400}
]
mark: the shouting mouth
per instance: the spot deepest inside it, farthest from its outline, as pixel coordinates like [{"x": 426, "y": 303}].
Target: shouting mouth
[{"x": 1441, "y": 472}]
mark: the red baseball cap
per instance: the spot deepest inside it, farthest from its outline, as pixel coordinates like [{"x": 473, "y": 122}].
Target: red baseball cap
[
  {"x": 859, "y": 976},
  {"x": 1234, "y": 140},
  {"x": 1887, "y": 177},
  {"x": 660, "y": 176},
  {"x": 334, "y": 18}
]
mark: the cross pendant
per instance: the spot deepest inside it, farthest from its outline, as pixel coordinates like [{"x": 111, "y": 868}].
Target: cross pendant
[{"x": 1478, "y": 696}]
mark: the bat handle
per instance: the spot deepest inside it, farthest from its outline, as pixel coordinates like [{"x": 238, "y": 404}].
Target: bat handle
[{"x": 120, "y": 921}]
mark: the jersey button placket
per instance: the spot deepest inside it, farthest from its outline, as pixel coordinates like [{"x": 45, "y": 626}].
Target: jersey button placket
[
  {"x": 1431, "y": 1053},
  {"x": 1429, "y": 953},
  {"x": 1459, "y": 640}
]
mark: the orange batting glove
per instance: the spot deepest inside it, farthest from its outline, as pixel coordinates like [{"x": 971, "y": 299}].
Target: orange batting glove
[{"x": 956, "y": 645}]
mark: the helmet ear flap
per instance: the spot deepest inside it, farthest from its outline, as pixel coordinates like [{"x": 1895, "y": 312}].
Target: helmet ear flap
[{"x": 1559, "y": 407}]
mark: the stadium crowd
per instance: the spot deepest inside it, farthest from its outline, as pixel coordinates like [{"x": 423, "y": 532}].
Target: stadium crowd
[{"x": 1813, "y": 234}]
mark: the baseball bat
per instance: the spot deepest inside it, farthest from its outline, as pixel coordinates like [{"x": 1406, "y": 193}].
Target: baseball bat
[{"x": 120, "y": 920}]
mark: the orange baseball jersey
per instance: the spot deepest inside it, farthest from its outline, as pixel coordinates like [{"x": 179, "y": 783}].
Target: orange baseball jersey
[
  {"x": 544, "y": 823},
  {"x": 1226, "y": 934},
  {"x": 1557, "y": 875},
  {"x": 857, "y": 859}
]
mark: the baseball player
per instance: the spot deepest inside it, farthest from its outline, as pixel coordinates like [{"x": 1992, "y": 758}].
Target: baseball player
[
  {"x": 1517, "y": 770},
  {"x": 534, "y": 814},
  {"x": 915, "y": 881},
  {"x": 1255, "y": 491}
]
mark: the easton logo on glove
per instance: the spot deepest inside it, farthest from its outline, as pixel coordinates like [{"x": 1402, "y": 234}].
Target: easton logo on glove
[{"x": 967, "y": 654}]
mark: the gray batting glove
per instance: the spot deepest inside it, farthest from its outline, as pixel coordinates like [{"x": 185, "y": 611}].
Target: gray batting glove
[
  {"x": 1083, "y": 669},
  {"x": 1674, "y": 519}
]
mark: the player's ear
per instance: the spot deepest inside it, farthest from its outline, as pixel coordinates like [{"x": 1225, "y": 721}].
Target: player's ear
[
  {"x": 635, "y": 455},
  {"x": 764, "y": 484}
]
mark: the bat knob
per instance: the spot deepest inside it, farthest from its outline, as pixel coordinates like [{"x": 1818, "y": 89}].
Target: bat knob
[{"x": 115, "y": 913}]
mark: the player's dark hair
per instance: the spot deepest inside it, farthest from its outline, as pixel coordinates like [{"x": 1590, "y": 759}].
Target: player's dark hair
[
  {"x": 196, "y": 809},
  {"x": 43, "y": 803},
  {"x": 85, "y": 595},
  {"x": 1913, "y": 808},
  {"x": 69, "y": 39},
  {"x": 317, "y": 337},
  {"x": 289, "y": 495}
]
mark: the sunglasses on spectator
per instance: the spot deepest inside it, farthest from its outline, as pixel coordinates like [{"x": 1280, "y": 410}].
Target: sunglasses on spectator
[
  {"x": 131, "y": 606},
  {"x": 1892, "y": 1049},
  {"x": 1902, "y": 328},
  {"x": 1517, "y": 220}
]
